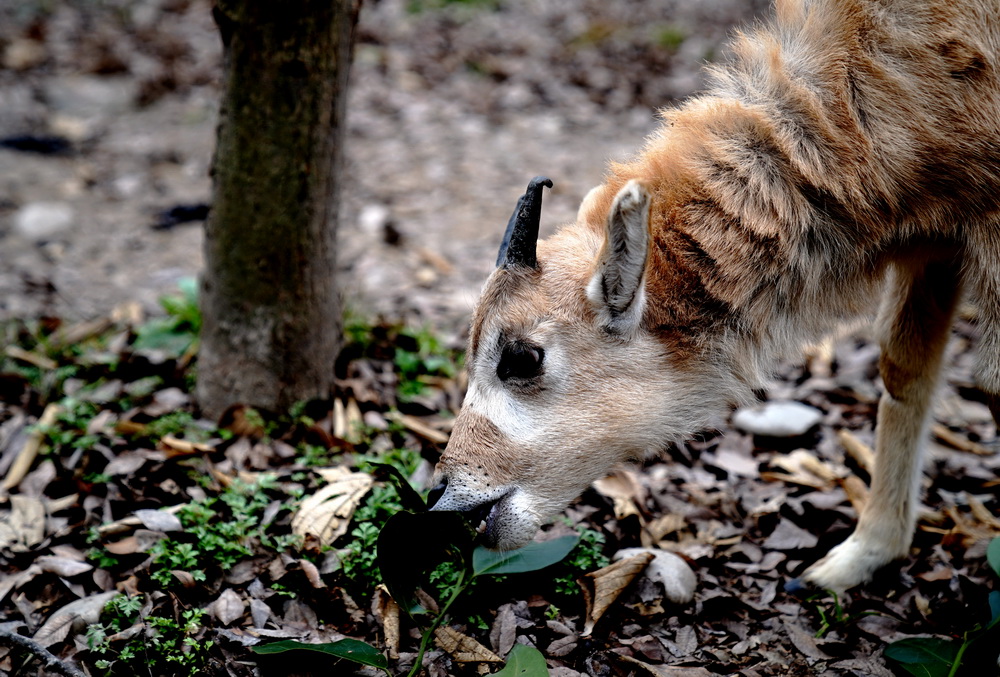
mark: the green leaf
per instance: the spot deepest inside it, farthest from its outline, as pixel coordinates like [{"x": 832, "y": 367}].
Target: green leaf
[
  {"x": 994, "y": 609},
  {"x": 524, "y": 661},
  {"x": 531, "y": 557},
  {"x": 410, "y": 545},
  {"x": 351, "y": 649},
  {"x": 924, "y": 656},
  {"x": 993, "y": 554}
]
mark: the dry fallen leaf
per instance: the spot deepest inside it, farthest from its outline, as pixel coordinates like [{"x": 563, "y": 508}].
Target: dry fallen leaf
[
  {"x": 159, "y": 520},
  {"x": 23, "y": 527},
  {"x": 463, "y": 648},
  {"x": 355, "y": 422},
  {"x": 418, "y": 427},
  {"x": 177, "y": 447},
  {"x": 32, "y": 358},
  {"x": 260, "y": 612},
  {"x": 387, "y": 612},
  {"x": 667, "y": 670},
  {"x": 26, "y": 456},
  {"x": 856, "y": 490},
  {"x": 63, "y": 566},
  {"x": 602, "y": 587},
  {"x": 228, "y": 607},
  {"x": 326, "y": 514},
  {"x": 78, "y": 614},
  {"x": 955, "y": 441},
  {"x": 857, "y": 449},
  {"x": 662, "y": 526},
  {"x": 312, "y": 574},
  {"x": 624, "y": 490},
  {"x": 803, "y": 467},
  {"x": 125, "y": 546}
]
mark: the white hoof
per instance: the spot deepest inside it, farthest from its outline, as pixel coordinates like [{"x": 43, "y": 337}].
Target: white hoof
[{"x": 851, "y": 563}]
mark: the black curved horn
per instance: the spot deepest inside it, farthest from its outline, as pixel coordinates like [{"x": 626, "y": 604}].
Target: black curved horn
[{"x": 518, "y": 246}]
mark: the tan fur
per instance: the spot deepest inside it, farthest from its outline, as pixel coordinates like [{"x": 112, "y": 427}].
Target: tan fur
[{"x": 846, "y": 143}]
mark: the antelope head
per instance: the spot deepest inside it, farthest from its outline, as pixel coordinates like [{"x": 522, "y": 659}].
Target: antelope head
[{"x": 565, "y": 378}]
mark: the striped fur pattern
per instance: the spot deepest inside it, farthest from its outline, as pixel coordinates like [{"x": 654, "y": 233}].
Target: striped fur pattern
[{"x": 848, "y": 152}]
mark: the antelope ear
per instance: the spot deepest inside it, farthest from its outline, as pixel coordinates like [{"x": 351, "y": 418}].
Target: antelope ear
[{"x": 617, "y": 288}]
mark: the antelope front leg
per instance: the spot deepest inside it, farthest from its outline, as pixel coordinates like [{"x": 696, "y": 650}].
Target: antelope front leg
[{"x": 916, "y": 321}]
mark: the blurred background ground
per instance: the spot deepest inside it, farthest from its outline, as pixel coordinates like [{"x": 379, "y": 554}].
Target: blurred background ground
[{"x": 453, "y": 107}]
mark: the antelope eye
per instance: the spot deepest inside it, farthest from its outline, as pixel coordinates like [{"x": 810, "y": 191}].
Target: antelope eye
[{"x": 520, "y": 360}]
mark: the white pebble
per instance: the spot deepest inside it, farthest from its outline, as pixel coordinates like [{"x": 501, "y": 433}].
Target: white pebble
[
  {"x": 671, "y": 570},
  {"x": 42, "y": 220},
  {"x": 778, "y": 419}
]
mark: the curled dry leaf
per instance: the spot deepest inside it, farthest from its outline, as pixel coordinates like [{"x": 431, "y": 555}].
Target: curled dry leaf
[
  {"x": 803, "y": 467},
  {"x": 387, "y": 612},
  {"x": 126, "y": 546},
  {"x": 463, "y": 648},
  {"x": 858, "y": 450},
  {"x": 355, "y": 422},
  {"x": 326, "y": 514},
  {"x": 26, "y": 456},
  {"x": 856, "y": 490},
  {"x": 419, "y": 428},
  {"x": 662, "y": 526},
  {"x": 312, "y": 574},
  {"x": 186, "y": 579},
  {"x": 175, "y": 446},
  {"x": 625, "y": 491},
  {"x": 958, "y": 442},
  {"x": 602, "y": 587}
]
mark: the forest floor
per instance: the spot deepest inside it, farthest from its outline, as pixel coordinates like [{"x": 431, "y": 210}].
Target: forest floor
[{"x": 107, "y": 125}]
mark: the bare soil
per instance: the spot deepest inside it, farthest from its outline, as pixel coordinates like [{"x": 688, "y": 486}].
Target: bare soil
[{"x": 453, "y": 107}]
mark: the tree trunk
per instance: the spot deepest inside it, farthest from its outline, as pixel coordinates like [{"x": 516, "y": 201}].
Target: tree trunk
[{"x": 272, "y": 313}]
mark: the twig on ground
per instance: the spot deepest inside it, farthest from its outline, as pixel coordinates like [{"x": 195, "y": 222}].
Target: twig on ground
[{"x": 8, "y": 631}]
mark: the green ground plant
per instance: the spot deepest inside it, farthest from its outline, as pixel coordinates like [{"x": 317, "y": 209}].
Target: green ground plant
[
  {"x": 940, "y": 657},
  {"x": 833, "y": 615},
  {"x": 418, "y": 355},
  {"x": 130, "y": 634},
  {"x": 410, "y": 547},
  {"x": 177, "y": 333},
  {"x": 588, "y": 555},
  {"x": 218, "y": 532}
]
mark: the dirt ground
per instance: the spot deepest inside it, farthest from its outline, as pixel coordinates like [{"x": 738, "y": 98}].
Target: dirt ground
[{"x": 453, "y": 107}]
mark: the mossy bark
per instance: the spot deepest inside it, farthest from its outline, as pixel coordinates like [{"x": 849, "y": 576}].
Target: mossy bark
[{"x": 272, "y": 313}]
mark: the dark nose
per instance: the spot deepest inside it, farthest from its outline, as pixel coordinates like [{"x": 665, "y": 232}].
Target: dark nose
[{"x": 435, "y": 494}]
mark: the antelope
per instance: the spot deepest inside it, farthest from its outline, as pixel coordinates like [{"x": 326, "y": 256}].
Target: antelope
[{"x": 848, "y": 151}]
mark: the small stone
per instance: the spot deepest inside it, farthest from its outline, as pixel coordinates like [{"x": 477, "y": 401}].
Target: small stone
[
  {"x": 668, "y": 569},
  {"x": 425, "y": 276},
  {"x": 373, "y": 218},
  {"x": 375, "y": 420},
  {"x": 778, "y": 419},
  {"x": 23, "y": 53},
  {"x": 43, "y": 220}
]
